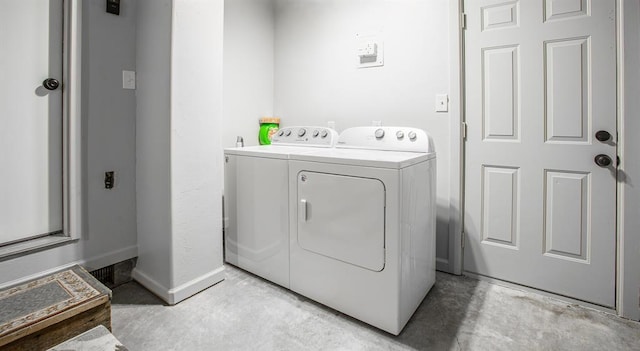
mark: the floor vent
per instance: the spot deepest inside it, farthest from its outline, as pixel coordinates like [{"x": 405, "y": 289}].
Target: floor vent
[{"x": 105, "y": 275}]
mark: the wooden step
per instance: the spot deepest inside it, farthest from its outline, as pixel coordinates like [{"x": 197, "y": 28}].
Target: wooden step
[{"x": 47, "y": 311}]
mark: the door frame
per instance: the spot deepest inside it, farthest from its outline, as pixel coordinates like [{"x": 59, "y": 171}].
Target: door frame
[
  {"x": 456, "y": 134},
  {"x": 628, "y": 260},
  {"x": 72, "y": 221},
  {"x": 72, "y": 122},
  {"x": 627, "y": 240}
]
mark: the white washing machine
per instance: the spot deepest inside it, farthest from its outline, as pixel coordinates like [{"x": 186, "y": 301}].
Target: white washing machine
[
  {"x": 363, "y": 224},
  {"x": 256, "y": 206}
]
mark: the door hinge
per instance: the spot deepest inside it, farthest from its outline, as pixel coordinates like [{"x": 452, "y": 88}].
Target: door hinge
[
  {"x": 463, "y": 20},
  {"x": 462, "y": 239},
  {"x": 464, "y": 130}
]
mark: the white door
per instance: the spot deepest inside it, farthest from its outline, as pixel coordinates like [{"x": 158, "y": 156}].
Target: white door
[
  {"x": 30, "y": 119},
  {"x": 540, "y": 80}
]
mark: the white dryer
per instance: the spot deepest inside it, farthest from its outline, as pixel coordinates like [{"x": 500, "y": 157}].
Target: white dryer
[
  {"x": 256, "y": 206},
  {"x": 363, "y": 224}
]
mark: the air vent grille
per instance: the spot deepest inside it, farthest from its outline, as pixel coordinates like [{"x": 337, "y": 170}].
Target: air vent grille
[{"x": 105, "y": 275}]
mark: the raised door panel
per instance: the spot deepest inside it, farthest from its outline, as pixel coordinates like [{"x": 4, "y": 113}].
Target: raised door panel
[
  {"x": 566, "y": 215},
  {"x": 567, "y": 90},
  {"x": 500, "y": 203},
  {"x": 500, "y": 16},
  {"x": 500, "y": 99},
  {"x": 563, "y": 9}
]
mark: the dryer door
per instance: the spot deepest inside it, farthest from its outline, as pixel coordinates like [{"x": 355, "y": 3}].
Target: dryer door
[{"x": 342, "y": 217}]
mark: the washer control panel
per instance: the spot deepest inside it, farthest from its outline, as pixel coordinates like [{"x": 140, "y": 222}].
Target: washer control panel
[
  {"x": 305, "y": 136},
  {"x": 386, "y": 138}
]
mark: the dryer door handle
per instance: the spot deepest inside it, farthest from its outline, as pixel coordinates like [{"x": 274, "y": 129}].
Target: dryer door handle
[{"x": 302, "y": 210}]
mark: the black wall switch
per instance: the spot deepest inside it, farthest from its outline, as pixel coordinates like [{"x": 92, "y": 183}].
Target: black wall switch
[
  {"x": 113, "y": 6},
  {"x": 109, "y": 179}
]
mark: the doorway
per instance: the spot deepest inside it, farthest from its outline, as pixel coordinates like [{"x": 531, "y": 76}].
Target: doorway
[
  {"x": 540, "y": 154},
  {"x": 31, "y": 111}
]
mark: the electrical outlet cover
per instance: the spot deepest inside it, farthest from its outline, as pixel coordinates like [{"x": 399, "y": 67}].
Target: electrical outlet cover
[
  {"x": 369, "y": 50},
  {"x": 442, "y": 103}
]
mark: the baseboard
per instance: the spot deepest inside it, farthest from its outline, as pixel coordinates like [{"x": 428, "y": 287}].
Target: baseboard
[
  {"x": 149, "y": 283},
  {"x": 110, "y": 258},
  {"x": 100, "y": 261},
  {"x": 442, "y": 265},
  {"x": 195, "y": 286},
  {"x": 179, "y": 293}
]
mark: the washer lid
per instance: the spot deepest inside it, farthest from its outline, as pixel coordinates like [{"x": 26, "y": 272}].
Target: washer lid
[{"x": 365, "y": 158}]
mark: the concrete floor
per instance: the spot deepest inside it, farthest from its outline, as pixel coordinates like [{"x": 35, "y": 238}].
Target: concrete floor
[{"x": 245, "y": 312}]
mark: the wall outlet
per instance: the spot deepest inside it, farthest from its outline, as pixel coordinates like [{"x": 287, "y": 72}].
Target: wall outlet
[
  {"x": 369, "y": 50},
  {"x": 109, "y": 179}
]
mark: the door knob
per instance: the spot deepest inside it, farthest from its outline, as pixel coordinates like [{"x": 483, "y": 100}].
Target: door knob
[
  {"x": 602, "y": 160},
  {"x": 51, "y": 84},
  {"x": 603, "y": 135}
]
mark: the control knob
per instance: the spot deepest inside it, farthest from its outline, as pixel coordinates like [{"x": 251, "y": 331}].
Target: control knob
[
  {"x": 412, "y": 136},
  {"x": 287, "y": 132},
  {"x": 379, "y": 133},
  {"x": 400, "y": 134},
  {"x": 324, "y": 134},
  {"x": 316, "y": 133},
  {"x": 301, "y": 132}
]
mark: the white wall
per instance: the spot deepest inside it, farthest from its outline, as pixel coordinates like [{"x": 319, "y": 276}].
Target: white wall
[
  {"x": 248, "y": 68},
  {"x": 316, "y": 79},
  {"x": 196, "y": 152},
  {"x": 179, "y": 169},
  {"x": 109, "y": 235},
  {"x": 153, "y": 146},
  {"x": 630, "y": 182}
]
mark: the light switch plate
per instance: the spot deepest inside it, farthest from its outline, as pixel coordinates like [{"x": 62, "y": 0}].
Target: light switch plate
[
  {"x": 128, "y": 79},
  {"x": 442, "y": 103}
]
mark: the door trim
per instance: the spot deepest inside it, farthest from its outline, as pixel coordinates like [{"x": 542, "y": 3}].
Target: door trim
[
  {"x": 456, "y": 172},
  {"x": 71, "y": 114},
  {"x": 628, "y": 260}
]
